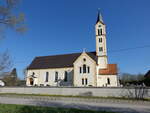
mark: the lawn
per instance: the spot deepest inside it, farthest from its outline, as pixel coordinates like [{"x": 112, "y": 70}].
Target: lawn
[{"x": 7, "y": 108}]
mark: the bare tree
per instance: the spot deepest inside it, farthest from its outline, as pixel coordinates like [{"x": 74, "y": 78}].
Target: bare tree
[
  {"x": 8, "y": 17},
  {"x": 5, "y": 62}
]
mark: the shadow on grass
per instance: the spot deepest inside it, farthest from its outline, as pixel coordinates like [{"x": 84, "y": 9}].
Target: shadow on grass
[{"x": 4, "y": 108}]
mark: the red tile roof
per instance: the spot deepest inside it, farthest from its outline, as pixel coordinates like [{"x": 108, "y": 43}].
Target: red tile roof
[{"x": 110, "y": 70}]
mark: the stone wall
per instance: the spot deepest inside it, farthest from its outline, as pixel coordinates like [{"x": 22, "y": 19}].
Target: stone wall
[{"x": 78, "y": 91}]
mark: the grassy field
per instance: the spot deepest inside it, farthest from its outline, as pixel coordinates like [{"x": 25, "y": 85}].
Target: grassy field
[{"x": 7, "y": 108}]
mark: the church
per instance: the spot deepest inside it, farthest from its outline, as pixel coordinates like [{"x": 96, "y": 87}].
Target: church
[{"x": 85, "y": 69}]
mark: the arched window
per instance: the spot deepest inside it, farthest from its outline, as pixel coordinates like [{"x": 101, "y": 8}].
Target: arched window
[
  {"x": 56, "y": 76},
  {"x": 86, "y": 81},
  {"x": 80, "y": 69},
  {"x": 82, "y": 81},
  {"x": 66, "y": 76},
  {"x": 98, "y": 32},
  {"x": 88, "y": 69},
  {"x": 101, "y": 32},
  {"x": 47, "y": 75},
  {"x": 100, "y": 39},
  {"x": 84, "y": 68},
  {"x": 108, "y": 81}
]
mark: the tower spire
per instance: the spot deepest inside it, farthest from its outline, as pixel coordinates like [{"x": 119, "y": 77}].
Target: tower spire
[{"x": 99, "y": 17}]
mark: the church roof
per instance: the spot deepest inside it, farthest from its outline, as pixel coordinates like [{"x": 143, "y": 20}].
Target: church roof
[
  {"x": 57, "y": 61},
  {"x": 110, "y": 70}
]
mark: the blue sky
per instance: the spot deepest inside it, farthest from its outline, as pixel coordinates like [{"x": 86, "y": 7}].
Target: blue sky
[{"x": 67, "y": 26}]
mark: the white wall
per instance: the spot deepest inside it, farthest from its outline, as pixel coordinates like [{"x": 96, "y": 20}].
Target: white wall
[
  {"x": 74, "y": 91},
  {"x": 102, "y": 80},
  {"x": 91, "y": 77},
  {"x": 41, "y": 76}
]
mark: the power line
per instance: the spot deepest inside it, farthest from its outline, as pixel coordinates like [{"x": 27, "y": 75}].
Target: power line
[
  {"x": 113, "y": 51},
  {"x": 128, "y": 49}
]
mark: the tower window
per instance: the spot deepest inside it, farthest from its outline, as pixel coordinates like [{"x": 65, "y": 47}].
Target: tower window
[
  {"x": 100, "y": 39},
  {"x": 56, "y": 76},
  {"x": 88, "y": 68},
  {"x": 80, "y": 69},
  {"x": 46, "y": 79},
  {"x": 108, "y": 81},
  {"x": 84, "y": 68},
  {"x": 82, "y": 81},
  {"x": 66, "y": 76},
  {"x": 100, "y": 48},
  {"x": 100, "y": 32}
]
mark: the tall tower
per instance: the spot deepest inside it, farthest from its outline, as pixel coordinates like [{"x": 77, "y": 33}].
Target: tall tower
[{"x": 101, "y": 49}]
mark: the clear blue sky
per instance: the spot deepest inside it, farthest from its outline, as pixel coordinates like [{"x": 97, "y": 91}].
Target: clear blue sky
[{"x": 67, "y": 26}]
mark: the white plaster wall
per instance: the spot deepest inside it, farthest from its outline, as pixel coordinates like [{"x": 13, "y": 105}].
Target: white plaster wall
[
  {"x": 91, "y": 77},
  {"x": 29, "y": 73},
  {"x": 102, "y": 55},
  {"x": 102, "y": 62},
  {"x": 103, "y": 43},
  {"x": 102, "y": 81},
  {"x": 41, "y": 76},
  {"x": 86, "y": 91}
]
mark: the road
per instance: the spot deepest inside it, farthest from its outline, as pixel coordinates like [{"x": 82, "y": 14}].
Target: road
[{"x": 91, "y": 104}]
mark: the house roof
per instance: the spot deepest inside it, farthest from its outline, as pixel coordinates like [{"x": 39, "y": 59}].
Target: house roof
[
  {"x": 110, "y": 70},
  {"x": 57, "y": 61},
  {"x": 147, "y": 74}
]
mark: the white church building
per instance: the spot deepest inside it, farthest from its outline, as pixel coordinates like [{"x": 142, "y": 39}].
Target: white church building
[{"x": 76, "y": 69}]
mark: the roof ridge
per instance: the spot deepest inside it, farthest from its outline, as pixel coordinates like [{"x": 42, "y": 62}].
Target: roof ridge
[{"x": 64, "y": 54}]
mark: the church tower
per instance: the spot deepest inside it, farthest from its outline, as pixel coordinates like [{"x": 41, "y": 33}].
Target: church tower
[{"x": 101, "y": 48}]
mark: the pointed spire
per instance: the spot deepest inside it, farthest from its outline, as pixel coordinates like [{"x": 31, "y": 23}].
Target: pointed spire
[{"x": 99, "y": 17}]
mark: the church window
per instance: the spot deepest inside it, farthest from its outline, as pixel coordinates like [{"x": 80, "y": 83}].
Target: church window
[
  {"x": 82, "y": 81},
  {"x": 88, "y": 69},
  {"x": 100, "y": 48},
  {"x": 101, "y": 32},
  {"x": 56, "y": 76},
  {"x": 80, "y": 69},
  {"x": 98, "y": 32},
  {"x": 84, "y": 68},
  {"x": 47, "y": 75},
  {"x": 86, "y": 81},
  {"x": 66, "y": 76},
  {"x": 84, "y": 59},
  {"x": 108, "y": 81},
  {"x": 100, "y": 39}
]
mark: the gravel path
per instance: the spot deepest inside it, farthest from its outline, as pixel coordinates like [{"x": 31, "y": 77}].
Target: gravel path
[{"x": 121, "y": 106}]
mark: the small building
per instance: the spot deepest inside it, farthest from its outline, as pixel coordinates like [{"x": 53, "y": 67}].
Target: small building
[{"x": 76, "y": 69}]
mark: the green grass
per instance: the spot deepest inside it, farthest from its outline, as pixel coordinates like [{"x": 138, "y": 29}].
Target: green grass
[
  {"x": 86, "y": 97},
  {"x": 7, "y": 108}
]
